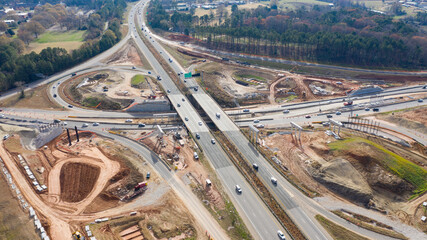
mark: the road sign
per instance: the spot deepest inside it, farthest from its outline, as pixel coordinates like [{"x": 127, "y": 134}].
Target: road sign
[{"x": 188, "y": 75}]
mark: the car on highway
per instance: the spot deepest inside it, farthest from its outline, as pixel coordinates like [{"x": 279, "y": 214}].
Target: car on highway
[
  {"x": 2, "y": 116},
  {"x": 425, "y": 87},
  {"x": 307, "y": 116},
  {"x": 73, "y": 74},
  {"x": 149, "y": 72},
  {"x": 53, "y": 87},
  {"x": 186, "y": 118},
  {"x": 54, "y": 95},
  {"x": 420, "y": 100},
  {"x": 273, "y": 180},
  {"x": 183, "y": 99},
  {"x": 213, "y": 141},
  {"x": 65, "y": 123},
  {"x": 128, "y": 120},
  {"x": 238, "y": 189},
  {"x": 200, "y": 123},
  {"x": 95, "y": 124},
  {"x": 218, "y": 115},
  {"x": 141, "y": 125},
  {"x": 169, "y": 91},
  {"x": 367, "y": 109},
  {"x": 281, "y": 235},
  {"x": 286, "y": 111},
  {"x": 260, "y": 126},
  {"x": 256, "y": 121},
  {"x": 159, "y": 78},
  {"x": 70, "y": 106},
  {"x": 179, "y": 105},
  {"x": 246, "y": 110},
  {"x": 197, "y": 136},
  {"x": 5, "y": 136},
  {"x": 255, "y": 166},
  {"x": 329, "y": 116},
  {"x": 338, "y": 113},
  {"x": 376, "y": 109},
  {"x": 85, "y": 125},
  {"x": 133, "y": 67},
  {"x": 148, "y": 175}
]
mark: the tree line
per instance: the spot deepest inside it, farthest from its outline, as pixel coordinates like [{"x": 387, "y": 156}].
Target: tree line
[
  {"x": 17, "y": 68},
  {"x": 349, "y": 34}
]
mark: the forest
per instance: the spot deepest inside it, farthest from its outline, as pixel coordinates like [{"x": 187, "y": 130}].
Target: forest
[
  {"x": 348, "y": 35},
  {"x": 17, "y": 69}
]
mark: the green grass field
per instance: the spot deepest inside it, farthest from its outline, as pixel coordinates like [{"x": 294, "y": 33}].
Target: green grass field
[
  {"x": 137, "y": 79},
  {"x": 396, "y": 164},
  {"x": 70, "y": 36}
]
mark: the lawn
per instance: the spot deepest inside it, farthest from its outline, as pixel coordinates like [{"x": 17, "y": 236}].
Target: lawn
[
  {"x": 338, "y": 232},
  {"x": 69, "y": 36},
  {"x": 396, "y": 164},
  {"x": 137, "y": 79}
]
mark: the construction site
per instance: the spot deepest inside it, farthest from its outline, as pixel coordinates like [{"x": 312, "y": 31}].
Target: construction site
[
  {"x": 82, "y": 184},
  {"x": 355, "y": 167}
]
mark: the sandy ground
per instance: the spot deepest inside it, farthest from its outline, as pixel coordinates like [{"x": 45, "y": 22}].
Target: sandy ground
[
  {"x": 61, "y": 217},
  {"x": 90, "y": 156}
]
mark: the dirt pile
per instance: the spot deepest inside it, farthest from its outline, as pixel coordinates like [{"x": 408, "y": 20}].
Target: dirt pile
[
  {"x": 341, "y": 177},
  {"x": 77, "y": 181},
  {"x": 128, "y": 55}
]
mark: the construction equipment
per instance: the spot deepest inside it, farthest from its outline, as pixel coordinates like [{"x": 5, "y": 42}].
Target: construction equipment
[{"x": 78, "y": 236}]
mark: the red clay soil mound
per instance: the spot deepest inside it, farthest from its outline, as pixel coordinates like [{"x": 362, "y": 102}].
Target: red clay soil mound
[{"x": 77, "y": 181}]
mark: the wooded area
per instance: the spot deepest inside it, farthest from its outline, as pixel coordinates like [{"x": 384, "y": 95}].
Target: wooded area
[
  {"x": 343, "y": 35},
  {"x": 17, "y": 69}
]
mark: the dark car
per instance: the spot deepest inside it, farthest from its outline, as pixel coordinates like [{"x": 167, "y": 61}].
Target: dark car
[
  {"x": 54, "y": 95},
  {"x": 329, "y": 116},
  {"x": 376, "y": 109}
]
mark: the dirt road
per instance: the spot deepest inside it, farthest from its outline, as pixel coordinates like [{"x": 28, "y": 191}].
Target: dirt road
[{"x": 58, "y": 227}]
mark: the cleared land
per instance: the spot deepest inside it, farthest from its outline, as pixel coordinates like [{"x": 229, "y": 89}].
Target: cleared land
[
  {"x": 36, "y": 98},
  {"x": 336, "y": 231},
  {"x": 77, "y": 181},
  {"x": 14, "y": 223},
  {"x": 415, "y": 119},
  {"x": 396, "y": 164}
]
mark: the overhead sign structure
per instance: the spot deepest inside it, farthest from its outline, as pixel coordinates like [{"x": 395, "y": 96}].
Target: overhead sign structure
[{"x": 188, "y": 75}]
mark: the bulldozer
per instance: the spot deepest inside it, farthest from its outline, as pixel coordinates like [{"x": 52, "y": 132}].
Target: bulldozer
[{"x": 78, "y": 236}]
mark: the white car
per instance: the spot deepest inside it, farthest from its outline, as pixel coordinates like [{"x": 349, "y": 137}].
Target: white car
[
  {"x": 281, "y": 235},
  {"x": 85, "y": 125},
  {"x": 238, "y": 189},
  {"x": 286, "y": 111},
  {"x": 200, "y": 123},
  {"x": 128, "y": 120},
  {"x": 273, "y": 180},
  {"x": 338, "y": 113},
  {"x": 95, "y": 124},
  {"x": 213, "y": 141}
]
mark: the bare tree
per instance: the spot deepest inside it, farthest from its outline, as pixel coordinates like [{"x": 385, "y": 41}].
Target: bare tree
[{"x": 25, "y": 36}]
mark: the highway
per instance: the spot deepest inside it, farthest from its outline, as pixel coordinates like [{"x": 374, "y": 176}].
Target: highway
[
  {"x": 257, "y": 217},
  {"x": 298, "y": 206},
  {"x": 251, "y": 208}
]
